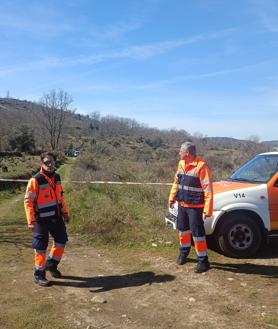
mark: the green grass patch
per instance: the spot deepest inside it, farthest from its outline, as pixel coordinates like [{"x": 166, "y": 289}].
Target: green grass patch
[
  {"x": 271, "y": 320},
  {"x": 65, "y": 169},
  {"x": 119, "y": 215},
  {"x": 6, "y": 195},
  {"x": 16, "y": 167},
  {"x": 33, "y": 317}
]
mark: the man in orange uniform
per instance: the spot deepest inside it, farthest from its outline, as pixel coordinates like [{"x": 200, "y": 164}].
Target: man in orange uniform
[
  {"x": 46, "y": 212},
  {"x": 192, "y": 189}
]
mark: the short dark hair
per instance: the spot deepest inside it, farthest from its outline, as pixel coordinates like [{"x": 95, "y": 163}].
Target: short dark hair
[{"x": 46, "y": 154}]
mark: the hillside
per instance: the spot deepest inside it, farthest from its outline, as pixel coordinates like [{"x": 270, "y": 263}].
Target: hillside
[
  {"x": 273, "y": 144},
  {"x": 15, "y": 113},
  {"x": 80, "y": 131},
  {"x": 133, "y": 150},
  {"x": 226, "y": 142}
]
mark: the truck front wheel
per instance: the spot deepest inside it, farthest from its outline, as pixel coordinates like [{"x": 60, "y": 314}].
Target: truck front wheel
[{"x": 239, "y": 236}]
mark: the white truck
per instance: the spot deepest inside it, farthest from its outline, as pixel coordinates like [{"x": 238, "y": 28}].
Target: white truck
[{"x": 245, "y": 207}]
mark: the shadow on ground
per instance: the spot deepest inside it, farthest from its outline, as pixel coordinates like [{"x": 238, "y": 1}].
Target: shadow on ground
[
  {"x": 268, "y": 251},
  {"x": 106, "y": 283},
  {"x": 268, "y": 271}
]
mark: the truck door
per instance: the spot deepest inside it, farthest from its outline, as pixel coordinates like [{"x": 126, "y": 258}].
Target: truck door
[{"x": 272, "y": 187}]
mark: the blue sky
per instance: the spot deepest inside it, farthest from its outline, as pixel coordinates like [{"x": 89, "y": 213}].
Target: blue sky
[{"x": 207, "y": 66}]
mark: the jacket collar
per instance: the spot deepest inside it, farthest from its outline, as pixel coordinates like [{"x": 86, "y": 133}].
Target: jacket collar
[
  {"x": 48, "y": 179},
  {"x": 193, "y": 163}
]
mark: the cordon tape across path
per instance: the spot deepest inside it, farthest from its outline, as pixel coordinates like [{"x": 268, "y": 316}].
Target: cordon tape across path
[{"x": 89, "y": 182}]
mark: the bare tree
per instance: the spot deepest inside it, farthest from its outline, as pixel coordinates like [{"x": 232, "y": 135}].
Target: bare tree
[
  {"x": 55, "y": 106},
  {"x": 254, "y": 138},
  {"x": 94, "y": 121}
]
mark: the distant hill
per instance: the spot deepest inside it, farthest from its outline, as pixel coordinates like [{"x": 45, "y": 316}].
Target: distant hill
[
  {"x": 229, "y": 142},
  {"x": 223, "y": 141},
  {"x": 271, "y": 143},
  {"x": 15, "y": 113},
  {"x": 82, "y": 131}
]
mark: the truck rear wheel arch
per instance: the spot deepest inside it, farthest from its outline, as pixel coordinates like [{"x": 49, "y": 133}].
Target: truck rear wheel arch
[{"x": 239, "y": 234}]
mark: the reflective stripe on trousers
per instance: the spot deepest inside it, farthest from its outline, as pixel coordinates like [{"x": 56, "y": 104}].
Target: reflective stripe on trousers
[
  {"x": 56, "y": 251},
  {"x": 191, "y": 220},
  {"x": 200, "y": 245},
  {"x": 40, "y": 259},
  {"x": 185, "y": 239}
]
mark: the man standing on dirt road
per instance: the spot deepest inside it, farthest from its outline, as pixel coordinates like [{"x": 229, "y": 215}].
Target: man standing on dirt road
[
  {"x": 192, "y": 189},
  {"x": 46, "y": 212}
]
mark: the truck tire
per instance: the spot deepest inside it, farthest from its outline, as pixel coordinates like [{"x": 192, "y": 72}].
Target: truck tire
[{"x": 239, "y": 236}]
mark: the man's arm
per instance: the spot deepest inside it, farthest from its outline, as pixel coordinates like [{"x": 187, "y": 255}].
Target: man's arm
[
  {"x": 30, "y": 202},
  {"x": 206, "y": 182},
  {"x": 175, "y": 187},
  {"x": 65, "y": 208}
]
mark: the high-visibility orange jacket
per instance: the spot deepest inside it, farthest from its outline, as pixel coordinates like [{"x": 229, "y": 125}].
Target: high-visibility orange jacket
[
  {"x": 44, "y": 198},
  {"x": 192, "y": 186}
]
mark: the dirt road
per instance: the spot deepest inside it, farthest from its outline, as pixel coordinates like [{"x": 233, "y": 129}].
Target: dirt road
[{"x": 130, "y": 289}]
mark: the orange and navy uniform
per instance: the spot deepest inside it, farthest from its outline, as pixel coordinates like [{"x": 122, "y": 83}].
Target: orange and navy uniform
[
  {"x": 44, "y": 198},
  {"x": 192, "y": 186},
  {"x": 44, "y": 207},
  {"x": 192, "y": 189}
]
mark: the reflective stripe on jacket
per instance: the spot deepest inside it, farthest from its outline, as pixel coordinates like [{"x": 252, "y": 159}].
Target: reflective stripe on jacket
[
  {"x": 192, "y": 186},
  {"x": 44, "y": 198}
]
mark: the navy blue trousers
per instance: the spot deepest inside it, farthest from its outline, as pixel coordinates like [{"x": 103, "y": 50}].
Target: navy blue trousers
[
  {"x": 56, "y": 228},
  {"x": 191, "y": 219}
]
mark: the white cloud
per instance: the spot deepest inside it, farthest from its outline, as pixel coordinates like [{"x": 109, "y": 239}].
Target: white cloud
[
  {"x": 135, "y": 52},
  {"x": 113, "y": 32},
  {"x": 154, "y": 49},
  {"x": 267, "y": 12}
]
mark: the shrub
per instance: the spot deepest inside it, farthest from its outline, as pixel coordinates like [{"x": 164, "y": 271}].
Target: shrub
[{"x": 22, "y": 139}]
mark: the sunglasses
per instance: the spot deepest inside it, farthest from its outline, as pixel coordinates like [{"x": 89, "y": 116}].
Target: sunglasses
[{"x": 48, "y": 162}]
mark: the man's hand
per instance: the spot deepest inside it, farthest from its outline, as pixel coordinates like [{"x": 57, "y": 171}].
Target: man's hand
[
  {"x": 31, "y": 227},
  {"x": 66, "y": 218},
  {"x": 205, "y": 216},
  {"x": 171, "y": 204}
]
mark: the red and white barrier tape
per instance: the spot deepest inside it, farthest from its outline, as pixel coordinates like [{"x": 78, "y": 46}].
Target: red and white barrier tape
[
  {"x": 89, "y": 182},
  {"x": 13, "y": 180}
]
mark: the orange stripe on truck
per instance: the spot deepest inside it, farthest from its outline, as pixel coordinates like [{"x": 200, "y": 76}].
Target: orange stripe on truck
[{"x": 225, "y": 186}]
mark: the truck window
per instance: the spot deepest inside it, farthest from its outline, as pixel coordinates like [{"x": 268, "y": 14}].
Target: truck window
[{"x": 258, "y": 170}]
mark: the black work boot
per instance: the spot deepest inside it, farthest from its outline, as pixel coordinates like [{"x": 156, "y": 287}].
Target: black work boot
[
  {"x": 51, "y": 266},
  {"x": 181, "y": 260},
  {"x": 40, "y": 279},
  {"x": 202, "y": 267},
  {"x": 55, "y": 273}
]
